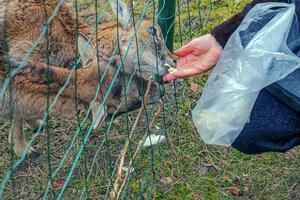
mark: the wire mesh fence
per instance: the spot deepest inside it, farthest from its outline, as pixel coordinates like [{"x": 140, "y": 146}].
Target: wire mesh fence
[{"x": 102, "y": 151}]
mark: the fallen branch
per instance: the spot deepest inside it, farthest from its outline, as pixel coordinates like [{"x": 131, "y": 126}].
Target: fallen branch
[
  {"x": 141, "y": 142},
  {"x": 125, "y": 149},
  {"x": 156, "y": 115}
]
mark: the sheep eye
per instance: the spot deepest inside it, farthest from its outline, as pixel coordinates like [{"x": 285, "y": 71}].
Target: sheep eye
[
  {"x": 152, "y": 31},
  {"x": 117, "y": 90}
]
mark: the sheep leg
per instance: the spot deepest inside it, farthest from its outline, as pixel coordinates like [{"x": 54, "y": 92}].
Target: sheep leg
[
  {"x": 17, "y": 140},
  {"x": 34, "y": 124}
]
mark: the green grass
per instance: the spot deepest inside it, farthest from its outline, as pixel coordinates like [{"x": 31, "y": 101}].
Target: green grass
[
  {"x": 194, "y": 170},
  {"x": 209, "y": 172}
]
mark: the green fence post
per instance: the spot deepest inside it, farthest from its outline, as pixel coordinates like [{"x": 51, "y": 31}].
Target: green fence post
[{"x": 166, "y": 11}]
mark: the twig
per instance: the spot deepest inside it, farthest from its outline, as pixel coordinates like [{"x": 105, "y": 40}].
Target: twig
[
  {"x": 172, "y": 185},
  {"x": 4, "y": 126},
  {"x": 125, "y": 149},
  {"x": 141, "y": 142},
  {"x": 130, "y": 164},
  {"x": 210, "y": 158},
  {"x": 156, "y": 115}
]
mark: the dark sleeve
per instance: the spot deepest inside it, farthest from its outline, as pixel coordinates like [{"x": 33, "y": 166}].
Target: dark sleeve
[
  {"x": 273, "y": 126},
  {"x": 223, "y": 31}
]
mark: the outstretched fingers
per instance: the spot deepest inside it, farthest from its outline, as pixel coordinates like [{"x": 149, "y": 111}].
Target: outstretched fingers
[{"x": 185, "y": 72}]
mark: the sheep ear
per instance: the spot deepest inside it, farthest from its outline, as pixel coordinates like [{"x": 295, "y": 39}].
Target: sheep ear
[
  {"x": 86, "y": 50},
  {"x": 123, "y": 12},
  {"x": 101, "y": 116}
]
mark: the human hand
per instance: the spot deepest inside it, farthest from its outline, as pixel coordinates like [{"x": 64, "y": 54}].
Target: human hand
[{"x": 197, "y": 57}]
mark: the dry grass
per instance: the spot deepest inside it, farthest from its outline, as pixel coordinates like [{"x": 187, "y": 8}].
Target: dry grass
[{"x": 183, "y": 168}]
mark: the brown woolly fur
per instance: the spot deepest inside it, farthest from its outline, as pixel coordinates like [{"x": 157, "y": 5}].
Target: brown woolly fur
[{"x": 48, "y": 66}]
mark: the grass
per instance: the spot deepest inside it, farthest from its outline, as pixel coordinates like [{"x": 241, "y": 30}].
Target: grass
[
  {"x": 211, "y": 172},
  {"x": 183, "y": 168}
]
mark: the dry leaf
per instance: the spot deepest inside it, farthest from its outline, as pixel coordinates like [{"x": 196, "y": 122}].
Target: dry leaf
[
  {"x": 234, "y": 191},
  {"x": 57, "y": 185},
  {"x": 194, "y": 87},
  {"x": 166, "y": 181}
]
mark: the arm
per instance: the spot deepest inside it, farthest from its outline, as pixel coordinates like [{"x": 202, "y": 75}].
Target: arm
[
  {"x": 202, "y": 53},
  {"x": 273, "y": 127}
]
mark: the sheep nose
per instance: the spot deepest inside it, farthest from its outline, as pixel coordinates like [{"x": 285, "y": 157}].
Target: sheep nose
[{"x": 164, "y": 70}]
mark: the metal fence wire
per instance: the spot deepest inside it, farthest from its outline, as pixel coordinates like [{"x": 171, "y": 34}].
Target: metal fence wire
[{"x": 76, "y": 161}]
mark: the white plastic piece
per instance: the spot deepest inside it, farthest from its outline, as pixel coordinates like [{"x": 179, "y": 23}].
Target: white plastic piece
[
  {"x": 243, "y": 70},
  {"x": 125, "y": 169},
  {"x": 153, "y": 140}
]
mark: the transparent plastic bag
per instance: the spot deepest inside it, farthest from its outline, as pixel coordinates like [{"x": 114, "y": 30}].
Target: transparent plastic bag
[{"x": 255, "y": 56}]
